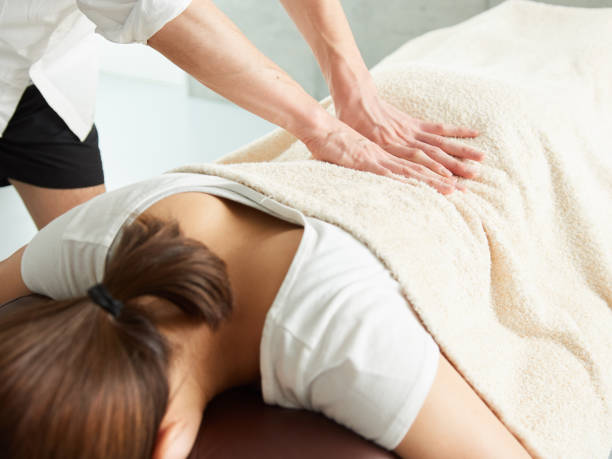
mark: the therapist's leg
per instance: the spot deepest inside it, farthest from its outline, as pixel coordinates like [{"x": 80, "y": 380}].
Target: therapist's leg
[
  {"x": 51, "y": 168},
  {"x": 45, "y": 204},
  {"x": 455, "y": 423}
]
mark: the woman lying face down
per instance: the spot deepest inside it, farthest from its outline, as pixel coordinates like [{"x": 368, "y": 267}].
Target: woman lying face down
[{"x": 202, "y": 293}]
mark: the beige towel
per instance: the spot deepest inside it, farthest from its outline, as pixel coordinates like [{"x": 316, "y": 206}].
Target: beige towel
[{"x": 512, "y": 278}]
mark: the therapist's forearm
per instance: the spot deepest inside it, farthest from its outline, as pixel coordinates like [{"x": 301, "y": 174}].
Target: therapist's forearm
[
  {"x": 326, "y": 29},
  {"x": 207, "y": 45}
]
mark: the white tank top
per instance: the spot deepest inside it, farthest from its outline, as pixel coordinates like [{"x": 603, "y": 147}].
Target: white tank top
[{"x": 339, "y": 337}]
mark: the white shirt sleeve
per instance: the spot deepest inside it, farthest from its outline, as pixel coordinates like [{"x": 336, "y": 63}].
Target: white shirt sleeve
[
  {"x": 68, "y": 256},
  {"x": 377, "y": 372},
  {"x": 60, "y": 267},
  {"x": 370, "y": 370},
  {"x": 131, "y": 21},
  {"x": 341, "y": 339}
]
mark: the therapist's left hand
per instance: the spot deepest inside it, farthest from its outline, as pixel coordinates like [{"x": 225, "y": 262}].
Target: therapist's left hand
[{"x": 409, "y": 138}]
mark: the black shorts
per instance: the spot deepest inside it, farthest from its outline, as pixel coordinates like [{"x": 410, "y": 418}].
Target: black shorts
[{"x": 38, "y": 148}]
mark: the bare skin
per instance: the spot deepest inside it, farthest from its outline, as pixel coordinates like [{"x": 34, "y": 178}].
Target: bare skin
[
  {"x": 45, "y": 204},
  {"x": 455, "y": 423},
  {"x": 12, "y": 283}
]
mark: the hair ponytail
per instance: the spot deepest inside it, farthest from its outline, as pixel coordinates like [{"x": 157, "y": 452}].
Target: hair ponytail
[
  {"x": 154, "y": 258},
  {"x": 75, "y": 381}
]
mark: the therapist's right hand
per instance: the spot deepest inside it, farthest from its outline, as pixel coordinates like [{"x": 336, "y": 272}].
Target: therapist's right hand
[{"x": 339, "y": 144}]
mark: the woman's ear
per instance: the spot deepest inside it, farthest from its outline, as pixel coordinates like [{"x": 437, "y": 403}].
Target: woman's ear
[
  {"x": 180, "y": 425},
  {"x": 175, "y": 439}
]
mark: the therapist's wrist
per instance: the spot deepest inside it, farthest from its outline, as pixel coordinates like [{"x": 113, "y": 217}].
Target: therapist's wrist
[
  {"x": 349, "y": 81},
  {"x": 312, "y": 123}
]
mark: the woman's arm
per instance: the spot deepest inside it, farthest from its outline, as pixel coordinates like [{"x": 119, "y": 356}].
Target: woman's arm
[
  {"x": 325, "y": 27},
  {"x": 11, "y": 283},
  {"x": 206, "y": 44},
  {"x": 454, "y": 422}
]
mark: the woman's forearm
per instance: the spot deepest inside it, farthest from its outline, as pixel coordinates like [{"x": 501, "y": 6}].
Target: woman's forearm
[
  {"x": 11, "y": 282},
  {"x": 206, "y": 44},
  {"x": 324, "y": 25}
]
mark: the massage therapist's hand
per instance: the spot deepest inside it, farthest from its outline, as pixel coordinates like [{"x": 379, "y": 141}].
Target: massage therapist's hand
[
  {"x": 338, "y": 143},
  {"x": 406, "y": 137},
  {"x": 407, "y": 146}
]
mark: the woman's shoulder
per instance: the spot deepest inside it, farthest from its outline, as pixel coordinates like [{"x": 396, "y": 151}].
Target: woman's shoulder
[
  {"x": 335, "y": 278},
  {"x": 70, "y": 253}
]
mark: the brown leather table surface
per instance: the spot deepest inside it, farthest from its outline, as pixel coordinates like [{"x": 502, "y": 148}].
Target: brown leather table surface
[{"x": 238, "y": 425}]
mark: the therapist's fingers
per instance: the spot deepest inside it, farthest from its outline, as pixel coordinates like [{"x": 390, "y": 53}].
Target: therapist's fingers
[
  {"x": 409, "y": 169},
  {"x": 448, "y": 130},
  {"x": 434, "y": 159},
  {"x": 453, "y": 148},
  {"x": 417, "y": 155},
  {"x": 456, "y": 166}
]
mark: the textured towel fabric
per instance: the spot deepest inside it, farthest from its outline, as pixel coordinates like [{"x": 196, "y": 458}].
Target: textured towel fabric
[{"x": 512, "y": 278}]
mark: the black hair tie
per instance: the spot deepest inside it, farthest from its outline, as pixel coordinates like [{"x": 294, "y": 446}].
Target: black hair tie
[{"x": 100, "y": 295}]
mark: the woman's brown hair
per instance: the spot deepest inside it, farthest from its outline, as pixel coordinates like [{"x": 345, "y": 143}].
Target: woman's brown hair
[{"x": 76, "y": 382}]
